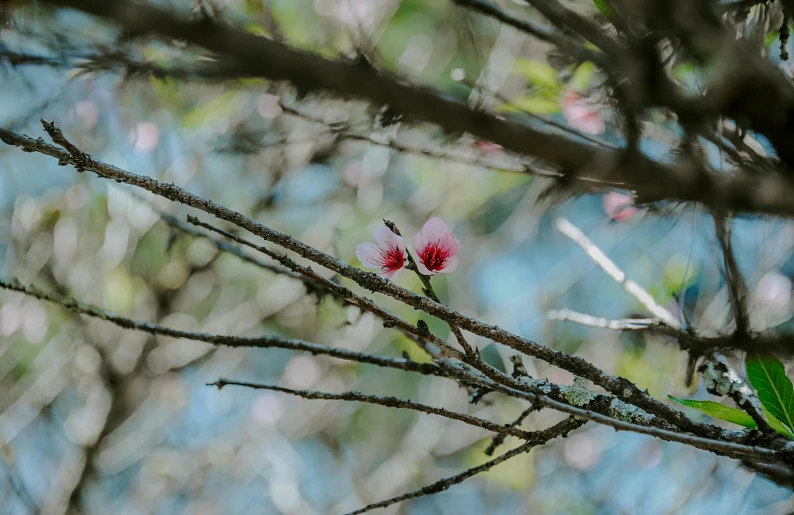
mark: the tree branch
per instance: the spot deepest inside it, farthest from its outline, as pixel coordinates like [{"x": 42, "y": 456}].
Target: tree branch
[
  {"x": 742, "y": 191},
  {"x": 539, "y": 438},
  {"x": 390, "y": 402}
]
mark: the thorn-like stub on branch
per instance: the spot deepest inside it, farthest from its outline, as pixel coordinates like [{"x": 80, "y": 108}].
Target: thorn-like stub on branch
[
  {"x": 519, "y": 370},
  {"x": 422, "y": 326},
  {"x": 392, "y": 227}
]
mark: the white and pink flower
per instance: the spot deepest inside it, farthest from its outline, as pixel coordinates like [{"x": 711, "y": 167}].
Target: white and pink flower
[
  {"x": 580, "y": 115},
  {"x": 388, "y": 254},
  {"x": 437, "y": 248}
]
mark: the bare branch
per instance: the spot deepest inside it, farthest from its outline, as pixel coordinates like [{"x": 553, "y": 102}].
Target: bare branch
[
  {"x": 540, "y": 438},
  {"x": 747, "y": 191},
  {"x": 214, "y": 339},
  {"x": 737, "y": 288},
  {"x": 390, "y": 402}
]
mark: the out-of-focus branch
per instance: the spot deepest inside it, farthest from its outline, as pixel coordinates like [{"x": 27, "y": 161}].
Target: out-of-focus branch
[
  {"x": 547, "y": 34},
  {"x": 737, "y": 289},
  {"x": 627, "y": 324},
  {"x": 389, "y": 402},
  {"x": 538, "y": 438},
  {"x": 609, "y": 266},
  {"x": 650, "y": 180}
]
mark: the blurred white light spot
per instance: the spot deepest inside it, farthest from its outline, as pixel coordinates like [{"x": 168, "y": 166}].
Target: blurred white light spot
[
  {"x": 774, "y": 290},
  {"x": 145, "y": 136},
  {"x": 284, "y": 495},
  {"x": 76, "y": 197},
  {"x": 417, "y": 53},
  {"x": 268, "y": 409},
  {"x": 268, "y": 106},
  {"x": 301, "y": 372},
  {"x": 10, "y": 318},
  {"x": 34, "y": 324},
  {"x": 87, "y": 113},
  {"x": 325, "y": 7},
  {"x": 651, "y": 456},
  {"x": 457, "y": 74},
  {"x": 581, "y": 452}
]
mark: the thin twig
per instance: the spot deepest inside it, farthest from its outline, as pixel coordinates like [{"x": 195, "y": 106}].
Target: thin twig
[
  {"x": 215, "y": 339},
  {"x": 390, "y": 402},
  {"x": 540, "y": 438},
  {"x": 626, "y": 324},
  {"x": 500, "y": 438},
  {"x": 609, "y": 266}
]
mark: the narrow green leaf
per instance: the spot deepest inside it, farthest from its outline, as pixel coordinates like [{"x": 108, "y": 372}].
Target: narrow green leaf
[
  {"x": 535, "y": 104},
  {"x": 777, "y": 425},
  {"x": 537, "y": 72},
  {"x": 775, "y": 391},
  {"x": 606, "y": 8},
  {"x": 583, "y": 76},
  {"x": 717, "y": 410}
]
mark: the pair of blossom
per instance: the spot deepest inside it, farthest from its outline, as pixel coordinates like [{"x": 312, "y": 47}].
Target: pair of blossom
[{"x": 435, "y": 246}]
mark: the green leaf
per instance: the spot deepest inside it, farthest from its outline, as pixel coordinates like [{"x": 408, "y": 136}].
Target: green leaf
[
  {"x": 717, "y": 410},
  {"x": 583, "y": 76},
  {"x": 606, "y": 8},
  {"x": 535, "y": 104},
  {"x": 215, "y": 110},
  {"x": 771, "y": 38},
  {"x": 538, "y": 73},
  {"x": 775, "y": 391},
  {"x": 490, "y": 354},
  {"x": 777, "y": 425}
]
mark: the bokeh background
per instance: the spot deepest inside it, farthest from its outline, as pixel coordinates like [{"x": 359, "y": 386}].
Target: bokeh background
[{"x": 98, "y": 420}]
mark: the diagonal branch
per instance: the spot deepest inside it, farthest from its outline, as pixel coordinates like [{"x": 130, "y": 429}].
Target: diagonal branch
[
  {"x": 263, "y": 342},
  {"x": 390, "y": 402},
  {"x": 737, "y": 289},
  {"x": 539, "y": 438},
  {"x": 745, "y": 190}
]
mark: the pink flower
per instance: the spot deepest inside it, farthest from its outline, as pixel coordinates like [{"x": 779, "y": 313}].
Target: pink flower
[
  {"x": 437, "y": 248},
  {"x": 580, "y": 115},
  {"x": 388, "y": 254},
  {"x": 619, "y": 207},
  {"x": 489, "y": 147}
]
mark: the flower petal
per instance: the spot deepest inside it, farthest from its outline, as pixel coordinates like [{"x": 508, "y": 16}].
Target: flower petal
[
  {"x": 422, "y": 268},
  {"x": 385, "y": 238},
  {"x": 369, "y": 254},
  {"x": 449, "y": 265},
  {"x": 392, "y": 274},
  {"x": 433, "y": 230}
]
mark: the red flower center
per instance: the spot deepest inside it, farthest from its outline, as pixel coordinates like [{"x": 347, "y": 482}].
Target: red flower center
[
  {"x": 391, "y": 258},
  {"x": 434, "y": 256}
]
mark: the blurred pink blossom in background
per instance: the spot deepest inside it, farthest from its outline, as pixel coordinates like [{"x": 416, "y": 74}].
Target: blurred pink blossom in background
[
  {"x": 619, "y": 206},
  {"x": 580, "y": 115}
]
